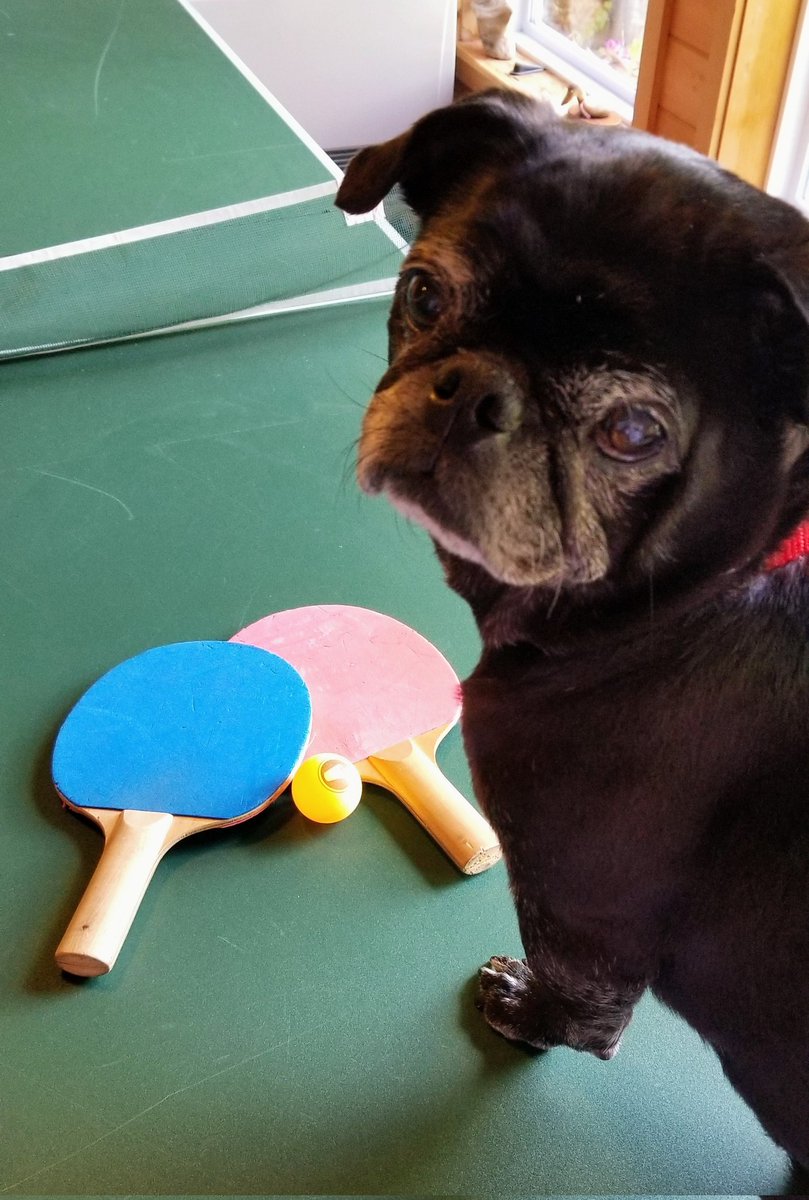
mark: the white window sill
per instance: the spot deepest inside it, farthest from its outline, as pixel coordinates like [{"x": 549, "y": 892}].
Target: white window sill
[
  {"x": 474, "y": 70},
  {"x": 573, "y": 77}
]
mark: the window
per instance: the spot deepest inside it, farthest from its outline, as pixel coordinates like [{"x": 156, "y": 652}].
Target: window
[{"x": 598, "y": 41}]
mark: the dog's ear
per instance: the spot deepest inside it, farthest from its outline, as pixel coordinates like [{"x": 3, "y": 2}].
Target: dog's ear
[
  {"x": 780, "y": 327},
  {"x": 442, "y": 150}
]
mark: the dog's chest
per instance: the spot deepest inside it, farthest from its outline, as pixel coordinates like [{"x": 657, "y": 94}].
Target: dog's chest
[{"x": 604, "y": 790}]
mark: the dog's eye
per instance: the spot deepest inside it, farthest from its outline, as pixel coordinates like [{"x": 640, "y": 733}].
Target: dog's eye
[
  {"x": 423, "y": 300},
  {"x": 630, "y": 434}
]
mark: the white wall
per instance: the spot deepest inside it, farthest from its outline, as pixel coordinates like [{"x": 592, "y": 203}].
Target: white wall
[{"x": 350, "y": 71}]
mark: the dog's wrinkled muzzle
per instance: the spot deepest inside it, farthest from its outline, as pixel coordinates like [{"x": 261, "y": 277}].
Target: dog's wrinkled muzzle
[{"x": 451, "y": 405}]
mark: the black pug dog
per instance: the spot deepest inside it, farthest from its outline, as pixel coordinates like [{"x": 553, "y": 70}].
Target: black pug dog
[{"x": 598, "y": 406}]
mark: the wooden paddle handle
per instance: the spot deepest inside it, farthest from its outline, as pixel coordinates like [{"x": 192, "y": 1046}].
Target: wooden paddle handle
[
  {"x": 135, "y": 843},
  {"x": 458, "y": 828}
]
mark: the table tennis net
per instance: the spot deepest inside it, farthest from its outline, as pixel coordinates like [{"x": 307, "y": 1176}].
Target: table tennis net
[{"x": 277, "y": 254}]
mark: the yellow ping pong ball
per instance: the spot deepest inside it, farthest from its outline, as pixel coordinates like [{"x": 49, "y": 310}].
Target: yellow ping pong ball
[{"x": 326, "y": 788}]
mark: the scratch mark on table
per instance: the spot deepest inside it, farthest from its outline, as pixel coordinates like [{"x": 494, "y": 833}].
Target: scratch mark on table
[
  {"x": 104, "y": 54},
  {"x": 284, "y": 1043},
  {"x": 229, "y": 943},
  {"x": 80, "y": 483},
  {"x": 225, "y": 153}
]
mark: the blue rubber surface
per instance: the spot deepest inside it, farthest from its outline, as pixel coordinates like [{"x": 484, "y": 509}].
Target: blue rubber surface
[{"x": 198, "y": 729}]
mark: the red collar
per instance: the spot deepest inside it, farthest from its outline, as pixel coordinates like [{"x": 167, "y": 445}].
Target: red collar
[{"x": 795, "y": 546}]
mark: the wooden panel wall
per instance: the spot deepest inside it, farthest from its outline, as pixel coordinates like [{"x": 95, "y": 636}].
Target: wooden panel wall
[
  {"x": 712, "y": 75},
  {"x": 685, "y": 48}
]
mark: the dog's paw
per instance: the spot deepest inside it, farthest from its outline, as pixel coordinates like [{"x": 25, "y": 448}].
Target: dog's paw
[
  {"x": 524, "y": 1009},
  {"x": 504, "y": 996}
]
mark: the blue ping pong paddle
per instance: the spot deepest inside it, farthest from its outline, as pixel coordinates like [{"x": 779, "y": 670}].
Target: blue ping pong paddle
[{"x": 179, "y": 739}]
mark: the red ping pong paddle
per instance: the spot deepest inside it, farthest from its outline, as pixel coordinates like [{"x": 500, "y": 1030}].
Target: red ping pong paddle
[
  {"x": 384, "y": 697},
  {"x": 181, "y": 738}
]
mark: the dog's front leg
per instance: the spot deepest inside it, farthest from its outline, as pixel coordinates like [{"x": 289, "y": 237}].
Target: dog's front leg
[{"x": 554, "y": 1006}]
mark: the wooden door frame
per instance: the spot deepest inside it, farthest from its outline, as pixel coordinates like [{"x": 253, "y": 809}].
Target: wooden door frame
[{"x": 742, "y": 86}]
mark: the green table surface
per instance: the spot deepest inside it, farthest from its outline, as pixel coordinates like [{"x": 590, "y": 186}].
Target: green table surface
[
  {"x": 118, "y": 113},
  {"x": 121, "y": 114},
  {"x": 292, "y": 1011}
]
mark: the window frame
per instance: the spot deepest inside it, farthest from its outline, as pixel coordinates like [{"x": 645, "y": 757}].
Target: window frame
[
  {"x": 788, "y": 175},
  {"x": 541, "y": 41}
]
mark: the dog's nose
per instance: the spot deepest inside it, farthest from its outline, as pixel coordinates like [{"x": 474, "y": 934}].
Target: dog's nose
[{"x": 485, "y": 401}]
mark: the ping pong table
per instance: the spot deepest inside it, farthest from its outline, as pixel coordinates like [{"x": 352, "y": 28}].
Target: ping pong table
[{"x": 292, "y": 1012}]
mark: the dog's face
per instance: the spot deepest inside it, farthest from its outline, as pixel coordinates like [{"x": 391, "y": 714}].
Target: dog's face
[{"x": 598, "y": 355}]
